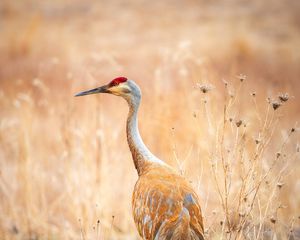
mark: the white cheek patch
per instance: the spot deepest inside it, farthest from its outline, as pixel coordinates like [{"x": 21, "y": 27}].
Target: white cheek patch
[{"x": 120, "y": 89}]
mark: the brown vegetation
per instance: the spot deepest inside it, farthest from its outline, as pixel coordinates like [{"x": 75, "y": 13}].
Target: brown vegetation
[{"x": 214, "y": 75}]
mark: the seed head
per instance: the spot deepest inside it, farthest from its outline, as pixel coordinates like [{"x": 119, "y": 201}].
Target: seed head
[
  {"x": 242, "y": 77},
  {"x": 273, "y": 219},
  {"x": 225, "y": 83},
  {"x": 276, "y": 105},
  {"x": 205, "y": 87},
  {"x": 280, "y": 185},
  {"x": 283, "y": 97},
  {"x": 238, "y": 123}
]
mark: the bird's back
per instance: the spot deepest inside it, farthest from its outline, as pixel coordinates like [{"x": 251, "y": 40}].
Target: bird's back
[{"x": 165, "y": 206}]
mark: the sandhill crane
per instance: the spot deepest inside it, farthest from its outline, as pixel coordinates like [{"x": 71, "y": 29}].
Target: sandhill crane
[{"x": 165, "y": 206}]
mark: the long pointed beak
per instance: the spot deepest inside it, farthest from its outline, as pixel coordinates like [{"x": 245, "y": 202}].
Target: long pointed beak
[{"x": 103, "y": 89}]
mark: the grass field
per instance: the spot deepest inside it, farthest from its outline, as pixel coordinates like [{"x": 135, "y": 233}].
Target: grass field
[{"x": 221, "y": 88}]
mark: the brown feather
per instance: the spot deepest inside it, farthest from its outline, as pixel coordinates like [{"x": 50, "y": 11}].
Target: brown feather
[{"x": 165, "y": 205}]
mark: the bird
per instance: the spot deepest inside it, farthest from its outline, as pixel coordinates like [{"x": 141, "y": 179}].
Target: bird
[{"x": 164, "y": 204}]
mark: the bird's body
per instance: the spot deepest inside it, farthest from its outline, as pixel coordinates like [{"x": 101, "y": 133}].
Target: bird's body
[{"x": 165, "y": 206}]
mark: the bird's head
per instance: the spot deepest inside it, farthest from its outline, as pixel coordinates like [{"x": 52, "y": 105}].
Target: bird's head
[{"x": 120, "y": 86}]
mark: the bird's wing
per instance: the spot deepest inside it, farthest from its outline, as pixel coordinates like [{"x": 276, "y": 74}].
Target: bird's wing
[
  {"x": 154, "y": 205},
  {"x": 159, "y": 201},
  {"x": 191, "y": 203}
]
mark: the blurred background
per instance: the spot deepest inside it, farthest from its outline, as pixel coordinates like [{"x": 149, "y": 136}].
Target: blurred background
[{"x": 65, "y": 167}]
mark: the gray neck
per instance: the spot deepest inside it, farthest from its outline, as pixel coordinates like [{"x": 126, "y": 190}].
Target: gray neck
[{"x": 140, "y": 153}]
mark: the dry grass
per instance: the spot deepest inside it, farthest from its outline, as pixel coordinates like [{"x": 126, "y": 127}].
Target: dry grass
[{"x": 65, "y": 168}]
